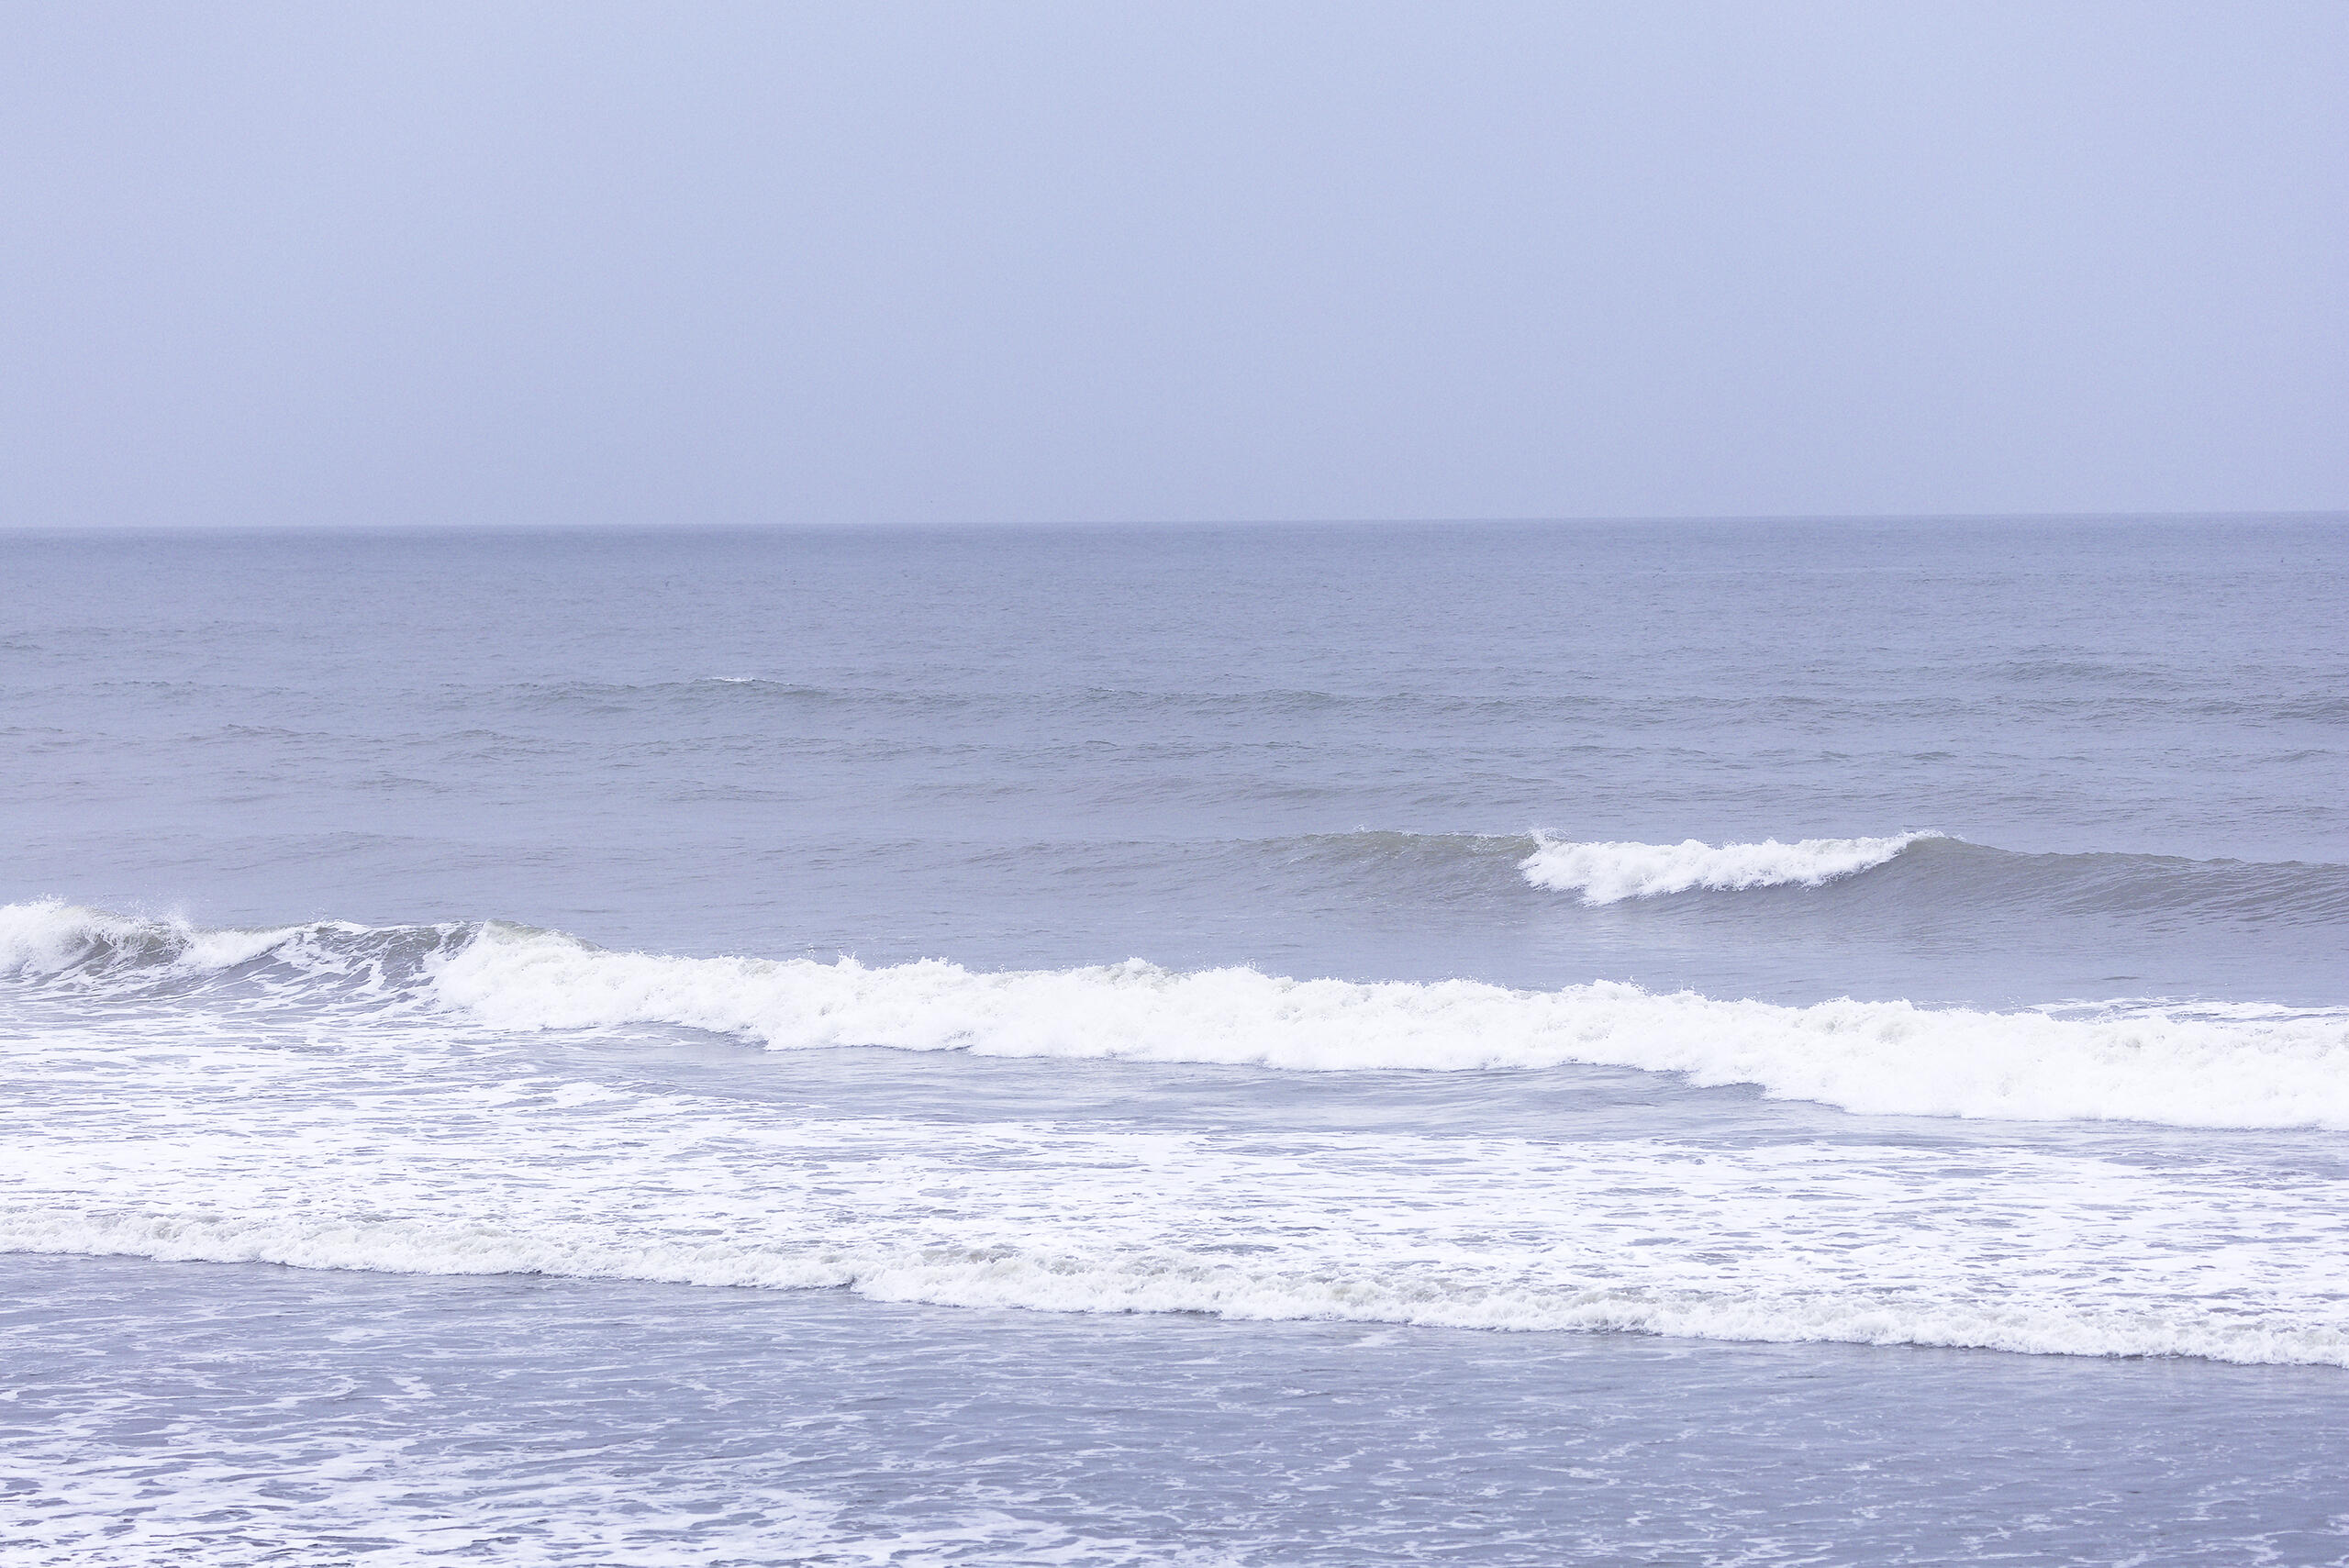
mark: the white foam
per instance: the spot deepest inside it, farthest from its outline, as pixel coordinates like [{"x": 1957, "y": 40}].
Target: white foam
[
  {"x": 47, "y": 936},
  {"x": 1097, "y": 1280},
  {"x": 1609, "y": 873},
  {"x": 2273, "y": 1067},
  {"x": 418, "y": 1140},
  {"x": 1988, "y": 1247},
  {"x": 436, "y": 1133}
]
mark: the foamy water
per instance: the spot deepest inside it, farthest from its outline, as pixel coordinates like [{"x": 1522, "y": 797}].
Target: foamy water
[
  {"x": 334, "y": 1097},
  {"x": 2210, "y": 1065},
  {"x": 435, "y": 1152},
  {"x": 1607, "y": 874}
]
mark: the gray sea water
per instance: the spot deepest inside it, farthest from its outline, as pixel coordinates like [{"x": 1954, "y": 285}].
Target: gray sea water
[{"x": 1495, "y": 1044}]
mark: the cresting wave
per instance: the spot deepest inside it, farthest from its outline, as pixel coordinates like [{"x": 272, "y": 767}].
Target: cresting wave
[
  {"x": 2234, "y": 1067},
  {"x": 374, "y": 1098},
  {"x": 1905, "y": 872},
  {"x": 62, "y": 945},
  {"x": 2239, "y": 1066},
  {"x": 1611, "y": 873}
]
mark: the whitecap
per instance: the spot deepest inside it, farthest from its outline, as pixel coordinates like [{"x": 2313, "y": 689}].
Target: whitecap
[{"x": 1609, "y": 873}]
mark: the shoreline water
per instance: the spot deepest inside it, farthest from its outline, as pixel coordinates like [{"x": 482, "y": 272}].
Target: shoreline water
[{"x": 386, "y": 1420}]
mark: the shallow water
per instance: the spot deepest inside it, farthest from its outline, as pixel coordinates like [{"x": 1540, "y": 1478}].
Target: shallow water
[{"x": 213, "y": 1415}]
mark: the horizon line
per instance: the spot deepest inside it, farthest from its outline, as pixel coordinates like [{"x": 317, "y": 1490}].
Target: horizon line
[{"x": 1009, "y": 524}]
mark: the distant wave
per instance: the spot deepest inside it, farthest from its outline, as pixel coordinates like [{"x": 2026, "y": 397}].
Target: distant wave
[
  {"x": 1609, "y": 873},
  {"x": 2214, "y": 1066},
  {"x": 1903, "y": 871}
]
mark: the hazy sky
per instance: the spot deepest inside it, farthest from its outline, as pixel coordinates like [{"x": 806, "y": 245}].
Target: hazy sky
[{"x": 494, "y": 262}]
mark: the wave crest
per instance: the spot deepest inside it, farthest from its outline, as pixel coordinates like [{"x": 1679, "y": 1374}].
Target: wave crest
[
  {"x": 2245, "y": 1066},
  {"x": 53, "y": 943},
  {"x": 1609, "y": 873}
]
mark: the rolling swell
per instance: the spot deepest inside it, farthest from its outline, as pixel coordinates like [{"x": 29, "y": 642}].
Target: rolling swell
[
  {"x": 1914, "y": 872},
  {"x": 1978, "y": 884},
  {"x": 2166, "y": 889}
]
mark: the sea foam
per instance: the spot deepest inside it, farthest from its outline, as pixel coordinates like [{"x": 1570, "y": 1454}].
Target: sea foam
[
  {"x": 450, "y": 1163},
  {"x": 2210, "y": 1067},
  {"x": 1104, "y": 1281},
  {"x": 1611, "y": 873},
  {"x": 308, "y": 1105}
]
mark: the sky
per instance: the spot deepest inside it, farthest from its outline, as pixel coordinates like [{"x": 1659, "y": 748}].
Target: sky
[{"x": 385, "y": 264}]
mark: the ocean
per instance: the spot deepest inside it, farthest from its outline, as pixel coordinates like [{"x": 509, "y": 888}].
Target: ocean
[{"x": 1484, "y": 1043}]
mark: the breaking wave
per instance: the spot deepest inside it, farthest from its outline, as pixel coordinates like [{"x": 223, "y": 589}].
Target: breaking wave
[
  {"x": 64, "y": 946},
  {"x": 1609, "y": 873},
  {"x": 176, "y": 1097},
  {"x": 2236, "y": 1066},
  {"x": 1864, "y": 879},
  {"x": 2240, "y": 1065}
]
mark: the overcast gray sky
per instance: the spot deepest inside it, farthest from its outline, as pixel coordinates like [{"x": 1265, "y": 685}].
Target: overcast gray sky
[{"x": 480, "y": 263}]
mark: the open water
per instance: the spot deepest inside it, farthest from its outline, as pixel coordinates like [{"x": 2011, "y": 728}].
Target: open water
[{"x": 1490, "y": 1044}]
